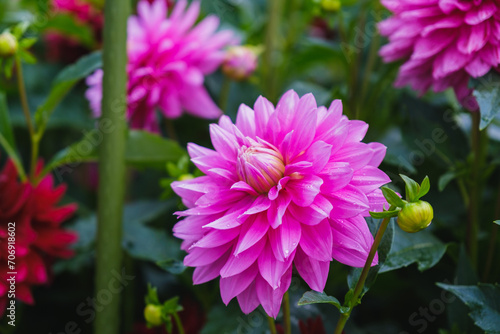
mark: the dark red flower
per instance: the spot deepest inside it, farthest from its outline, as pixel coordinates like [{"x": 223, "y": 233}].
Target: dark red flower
[{"x": 39, "y": 237}]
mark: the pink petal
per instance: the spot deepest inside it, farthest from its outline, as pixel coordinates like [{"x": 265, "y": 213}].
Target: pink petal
[
  {"x": 238, "y": 263},
  {"x": 248, "y": 299},
  {"x": 369, "y": 178},
  {"x": 277, "y": 209},
  {"x": 316, "y": 241},
  {"x": 312, "y": 215},
  {"x": 204, "y": 256},
  {"x": 304, "y": 190},
  {"x": 285, "y": 238},
  {"x": 232, "y": 286},
  {"x": 245, "y": 121},
  {"x": 348, "y": 202},
  {"x": 253, "y": 230},
  {"x": 209, "y": 272},
  {"x": 271, "y": 299},
  {"x": 271, "y": 268},
  {"x": 314, "y": 272},
  {"x": 356, "y": 154}
]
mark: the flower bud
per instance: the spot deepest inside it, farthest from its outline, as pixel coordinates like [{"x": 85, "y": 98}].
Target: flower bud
[
  {"x": 260, "y": 167},
  {"x": 240, "y": 62},
  {"x": 8, "y": 45},
  {"x": 152, "y": 314},
  {"x": 331, "y": 5},
  {"x": 415, "y": 216}
]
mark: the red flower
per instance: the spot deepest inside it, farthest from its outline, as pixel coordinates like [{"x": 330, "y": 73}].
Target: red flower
[{"x": 39, "y": 237}]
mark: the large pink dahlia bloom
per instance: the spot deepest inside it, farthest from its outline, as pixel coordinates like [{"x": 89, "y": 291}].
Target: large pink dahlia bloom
[
  {"x": 444, "y": 43},
  {"x": 284, "y": 185},
  {"x": 168, "y": 60}
]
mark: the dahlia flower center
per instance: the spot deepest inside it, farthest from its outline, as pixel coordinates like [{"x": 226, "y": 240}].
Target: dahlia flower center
[{"x": 260, "y": 167}]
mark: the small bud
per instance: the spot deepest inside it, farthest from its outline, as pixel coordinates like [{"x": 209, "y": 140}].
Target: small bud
[
  {"x": 152, "y": 314},
  {"x": 331, "y": 5},
  {"x": 185, "y": 177},
  {"x": 240, "y": 62},
  {"x": 8, "y": 45},
  {"x": 415, "y": 216}
]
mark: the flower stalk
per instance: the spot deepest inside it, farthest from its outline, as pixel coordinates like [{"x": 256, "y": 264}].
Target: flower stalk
[
  {"x": 364, "y": 274},
  {"x": 272, "y": 325},
  {"x": 287, "y": 323},
  {"x": 112, "y": 162}
]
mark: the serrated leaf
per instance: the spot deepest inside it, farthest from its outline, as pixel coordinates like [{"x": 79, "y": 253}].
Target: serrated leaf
[
  {"x": 483, "y": 301},
  {"x": 412, "y": 188},
  {"x": 391, "y": 197},
  {"x": 422, "y": 248},
  {"x": 5, "y": 125},
  {"x": 66, "y": 79},
  {"x": 425, "y": 186},
  {"x": 314, "y": 297},
  {"x": 487, "y": 93}
]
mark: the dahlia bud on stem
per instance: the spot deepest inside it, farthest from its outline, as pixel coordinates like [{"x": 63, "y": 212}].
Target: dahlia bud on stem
[
  {"x": 8, "y": 45},
  {"x": 157, "y": 314},
  {"x": 413, "y": 216}
]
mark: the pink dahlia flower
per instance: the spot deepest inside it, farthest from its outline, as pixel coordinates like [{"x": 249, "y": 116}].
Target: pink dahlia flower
[
  {"x": 443, "y": 43},
  {"x": 240, "y": 62},
  {"x": 285, "y": 185},
  {"x": 168, "y": 60},
  {"x": 39, "y": 237}
]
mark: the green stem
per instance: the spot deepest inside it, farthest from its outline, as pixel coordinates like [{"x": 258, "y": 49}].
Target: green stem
[
  {"x": 178, "y": 323},
  {"x": 353, "y": 96},
  {"x": 364, "y": 274},
  {"x": 112, "y": 164},
  {"x": 372, "y": 57},
  {"x": 35, "y": 140},
  {"x": 287, "y": 324},
  {"x": 272, "y": 39},
  {"x": 272, "y": 325},
  {"x": 472, "y": 225},
  {"x": 224, "y": 93},
  {"x": 171, "y": 133}
]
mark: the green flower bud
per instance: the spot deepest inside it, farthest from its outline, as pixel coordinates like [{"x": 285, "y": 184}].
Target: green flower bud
[
  {"x": 8, "y": 45},
  {"x": 415, "y": 216},
  {"x": 331, "y": 5},
  {"x": 152, "y": 314}
]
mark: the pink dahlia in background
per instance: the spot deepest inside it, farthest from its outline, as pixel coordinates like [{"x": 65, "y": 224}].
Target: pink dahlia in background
[
  {"x": 39, "y": 237},
  {"x": 240, "y": 62},
  {"x": 285, "y": 185},
  {"x": 61, "y": 46},
  {"x": 168, "y": 60},
  {"x": 443, "y": 43}
]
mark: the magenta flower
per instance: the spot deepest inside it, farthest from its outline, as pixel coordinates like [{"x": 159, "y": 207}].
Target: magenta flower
[
  {"x": 240, "y": 62},
  {"x": 285, "y": 185},
  {"x": 168, "y": 61},
  {"x": 443, "y": 43}
]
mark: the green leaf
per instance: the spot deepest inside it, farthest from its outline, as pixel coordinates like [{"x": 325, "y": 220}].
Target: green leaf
[
  {"x": 446, "y": 178},
  {"x": 422, "y": 248},
  {"x": 173, "y": 266},
  {"x": 425, "y": 186},
  {"x": 393, "y": 198},
  {"x": 152, "y": 296},
  {"x": 145, "y": 242},
  {"x": 487, "y": 93},
  {"x": 412, "y": 188},
  {"x": 314, "y": 297},
  {"x": 68, "y": 26},
  {"x": 66, "y": 79},
  {"x": 483, "y": 301},
  {"x": 5, "y": 125},
  {"x": 496, "y": 222},
  {"x": 143, "y": 149}
]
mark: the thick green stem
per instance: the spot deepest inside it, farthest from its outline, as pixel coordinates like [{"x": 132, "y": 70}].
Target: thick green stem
[
  {"x": 112, "y": 165},
  {"x": 178, "y": 323},
  {"x": 364, "y": 274},
  {"x": 35, "y": 141},
  {"x": 272, "y": 325},
  {"x": 272, "y": 40},
  {"x": 287, "y": 323}
]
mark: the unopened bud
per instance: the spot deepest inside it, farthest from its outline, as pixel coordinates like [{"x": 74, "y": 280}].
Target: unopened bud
[
  {"x": 240, "y": 62},
  {"x": 152, "y": 314},
  {"x": 331, "y": 5},
  {"x": 415, "y": 216},
  {"x": 8, "y": 45}
]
